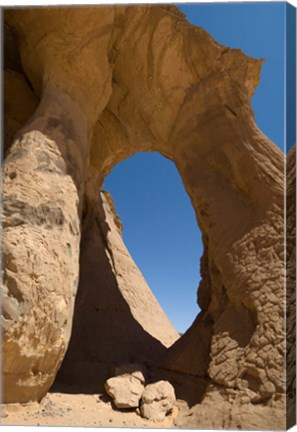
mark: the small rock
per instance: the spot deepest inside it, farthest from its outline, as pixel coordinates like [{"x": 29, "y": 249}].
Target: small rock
[
  {"x": 137, "y": 370},
  {"x": 267, "y": 389},
  {"x": 125, "y": 390},
  {"x": 158, "y": 399},
  {"x": 3, "y": 413},
  {"x": 245, "y": 400}
]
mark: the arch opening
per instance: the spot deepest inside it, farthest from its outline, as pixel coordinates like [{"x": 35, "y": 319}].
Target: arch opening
[
  {"x": 130, "y": 311},
  {"x": 160, "y": 231}
]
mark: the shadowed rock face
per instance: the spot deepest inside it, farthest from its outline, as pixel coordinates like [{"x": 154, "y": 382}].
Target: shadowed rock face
[{"x": 112, "y": 81}]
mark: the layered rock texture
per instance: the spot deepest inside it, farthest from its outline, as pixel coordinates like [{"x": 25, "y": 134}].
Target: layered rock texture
[{"x": 84, "y": 89}]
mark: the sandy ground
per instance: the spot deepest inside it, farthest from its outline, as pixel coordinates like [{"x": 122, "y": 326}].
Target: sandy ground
[
  {"x": 79, "y": 404},
  {"x": 62, "y": 409},
  {"x": 96, "y": 410}
]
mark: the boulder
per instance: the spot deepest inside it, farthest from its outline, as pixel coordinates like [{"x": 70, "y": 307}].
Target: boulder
[
  {"x": 158, "y": 399},
  {"x": 125, "y": 390}
]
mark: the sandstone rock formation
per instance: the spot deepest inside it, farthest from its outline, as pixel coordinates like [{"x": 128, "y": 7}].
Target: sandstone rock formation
[
  {"x": 158, "y": 399},
  {"x": 125, "y": 390},
  {"x": 102, "y": 97},
  {"x": 291, "y": 287}
]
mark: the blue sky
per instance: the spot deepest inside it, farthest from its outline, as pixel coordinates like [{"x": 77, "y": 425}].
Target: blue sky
[{"x": 160, "y": 228}]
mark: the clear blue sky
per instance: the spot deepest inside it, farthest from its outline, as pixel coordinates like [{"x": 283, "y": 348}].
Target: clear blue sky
[{"x": 160, "y": 228}]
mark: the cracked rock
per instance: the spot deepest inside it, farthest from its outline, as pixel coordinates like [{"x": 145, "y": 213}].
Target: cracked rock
[
  {"x": 158, "y": 399},
  {"x": 125, "y": 390}
]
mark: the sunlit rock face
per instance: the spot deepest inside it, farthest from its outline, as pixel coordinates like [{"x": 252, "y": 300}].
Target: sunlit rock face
[{"x": 95, "y": 85}]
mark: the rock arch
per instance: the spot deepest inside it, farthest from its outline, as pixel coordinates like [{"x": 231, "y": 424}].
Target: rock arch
[
  {"x": 103, "y": 97},
  {"x": 160, "y": 231}
]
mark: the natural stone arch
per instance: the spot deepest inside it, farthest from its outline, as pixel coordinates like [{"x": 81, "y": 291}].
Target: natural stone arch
[
  {"x": 188, "y": 99},
  {"x": 160, "y": 231}
]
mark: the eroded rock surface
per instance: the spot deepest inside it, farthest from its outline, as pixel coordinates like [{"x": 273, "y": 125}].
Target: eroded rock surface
[
  {"x": 189, "y": 99},
  {"x": 125, "y": 390},
  {"x": 158, "y": 399},
  {"x": 291, "y": 288},
  {"x": 231, "y": 410}
]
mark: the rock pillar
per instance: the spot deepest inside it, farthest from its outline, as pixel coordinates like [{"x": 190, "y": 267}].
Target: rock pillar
[{"x": 42, "y": 198}]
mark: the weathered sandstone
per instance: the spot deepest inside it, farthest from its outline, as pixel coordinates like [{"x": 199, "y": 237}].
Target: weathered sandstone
[
  {"x": 69, "y": 282},
  {"x": 291, "y": 287},
  {"x": 158, "y": 399},
  {"x": 125, "y": 390}
]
